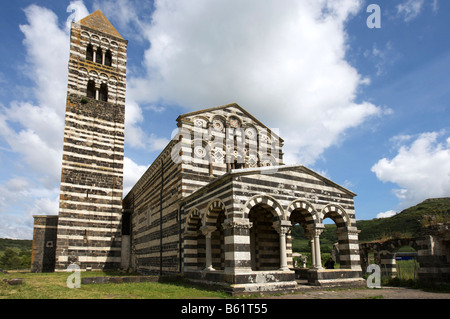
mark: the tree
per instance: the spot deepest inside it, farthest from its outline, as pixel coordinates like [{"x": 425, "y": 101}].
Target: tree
[{"x": 10, "y": 259}]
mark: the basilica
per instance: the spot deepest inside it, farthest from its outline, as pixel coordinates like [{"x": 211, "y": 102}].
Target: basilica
[{"x": 217, "y": 205}]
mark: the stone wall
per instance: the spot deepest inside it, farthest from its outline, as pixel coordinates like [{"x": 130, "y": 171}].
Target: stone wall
[
  {"x": 433, "y": 254},
  {"x": 155, "y": 222},
  {"x": 44, "y": 243}
]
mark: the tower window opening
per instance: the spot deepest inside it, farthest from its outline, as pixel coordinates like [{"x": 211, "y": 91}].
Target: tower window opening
[
  {"x": 91, "y": 89},
  {"x": 108, "y": 58},
  {"x": 103, "y": 93},
  {"x": 99, "y": 56},
  {"x": 89, "y": 53}
]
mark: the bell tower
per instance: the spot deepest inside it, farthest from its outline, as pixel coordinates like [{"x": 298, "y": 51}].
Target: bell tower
[{"x": 90, "y": 206}]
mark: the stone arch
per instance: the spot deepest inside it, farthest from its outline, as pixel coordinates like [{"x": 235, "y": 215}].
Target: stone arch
[
  {"x": 95, "y": 38},
  {"x": 217, "y": 123},
  {"x": 300, "y": 204},
  {"x": 337, "y": 214},
  {"x": 85, "y": 34},
  {"x": 194, "y": 252},
  {"x": 192, "y": 220},
  {"x": 105, "y": 42},
  {"x": 200, "y": 121},
  {"x": 215, "y": 216},
  {"x": 231, "y": 118},
  {"x": 212, "y": 212},
  {"x": 93, "y": 75},
  {"x": 267, "y": 234},
  {"x": 264, "y": 200}
]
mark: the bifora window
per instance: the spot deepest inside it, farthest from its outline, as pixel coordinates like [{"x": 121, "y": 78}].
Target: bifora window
[
  {"x": 101, "y": 94},
  {"x": 98, "y": 56}
]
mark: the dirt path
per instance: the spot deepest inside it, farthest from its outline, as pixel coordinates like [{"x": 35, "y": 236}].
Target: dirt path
[{"x": 382, "y": 293}]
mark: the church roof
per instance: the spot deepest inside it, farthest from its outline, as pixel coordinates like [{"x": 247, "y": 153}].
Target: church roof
[{"x": 98, "y": 21}]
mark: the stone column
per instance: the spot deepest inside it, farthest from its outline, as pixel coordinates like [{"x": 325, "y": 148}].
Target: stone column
[
  {"x": 318, "y": 256},
  {"x": 207, "y": 231},
  {"x": 309, "y": 233},
  {"x": 349, "y": 247},
  {"x": 237, "y": 246},
  {"x": 283, "y": 227}
]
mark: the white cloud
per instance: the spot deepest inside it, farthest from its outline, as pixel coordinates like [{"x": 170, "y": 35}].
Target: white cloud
[
  {"x": 421, "y": 169},
  {"x": 410, "y": 9},
  {"x": 132, "y": 172},
  {"x": 78, "y": 10},
  {"x": 287, "y": 56},
  {"x": 20, "y": 199},
  {"x": 34, "y": 129},
  {"x": 435, "y": 6},
  {"x": 387, "y": 214}
]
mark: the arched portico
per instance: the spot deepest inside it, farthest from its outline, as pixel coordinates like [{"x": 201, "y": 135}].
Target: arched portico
[
  {"x": 267, "y": 234},
  {"x": 194, "y": 244},
  {"x": 347, "y": 234},
  {"x": 302, "y": 212}
]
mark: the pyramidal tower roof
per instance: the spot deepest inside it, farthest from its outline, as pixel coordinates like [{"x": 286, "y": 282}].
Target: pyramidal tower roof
[{"x": 98, "y": 21}]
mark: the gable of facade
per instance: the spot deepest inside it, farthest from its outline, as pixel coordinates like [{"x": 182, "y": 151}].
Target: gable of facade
[{"x": 216, "y": 140}]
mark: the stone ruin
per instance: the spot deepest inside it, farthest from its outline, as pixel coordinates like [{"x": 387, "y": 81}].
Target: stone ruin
[{"x": 433, "y": 254}]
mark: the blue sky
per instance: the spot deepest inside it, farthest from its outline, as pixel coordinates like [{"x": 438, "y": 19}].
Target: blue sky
[{"x": 365, "y": 107}]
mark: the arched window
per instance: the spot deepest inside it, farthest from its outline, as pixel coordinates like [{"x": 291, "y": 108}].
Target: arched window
[
  {"x": 89, "y": 53},
  {"x": 108, "y": 58},
  {"x": 103, "y": 93},
  {"x": 91, "y": 89},
  {"x": 99, "y": 56}
]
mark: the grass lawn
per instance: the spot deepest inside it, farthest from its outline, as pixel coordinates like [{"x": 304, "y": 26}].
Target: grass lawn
[{"x": 53, "y": 286}]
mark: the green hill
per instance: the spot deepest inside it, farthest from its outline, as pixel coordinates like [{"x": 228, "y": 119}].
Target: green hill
[
  {"x": 407, "y": 223},
  {"x": 15, "y": 244}
]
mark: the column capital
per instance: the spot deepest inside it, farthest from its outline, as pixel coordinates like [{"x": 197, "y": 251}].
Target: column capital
[
  {"x": 207, "y": 230},
  {"x": 282, "y": 227}
]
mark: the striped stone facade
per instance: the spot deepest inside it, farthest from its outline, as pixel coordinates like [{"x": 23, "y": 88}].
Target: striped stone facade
[
  {"x": 218, "y": 205},
  {"x": 90, "y": 208}
]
